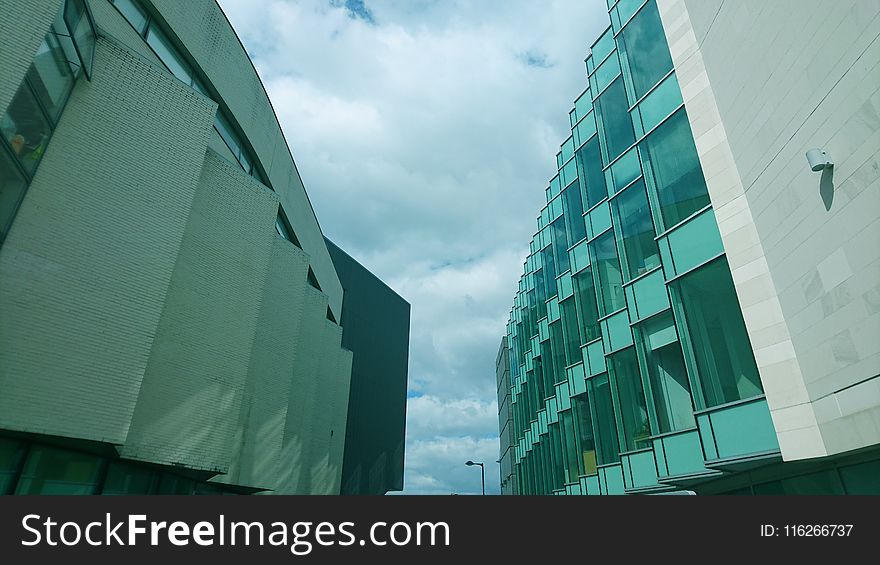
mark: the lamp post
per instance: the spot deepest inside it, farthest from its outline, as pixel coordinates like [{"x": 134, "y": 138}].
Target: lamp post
[{"x": 482, "y": 473}]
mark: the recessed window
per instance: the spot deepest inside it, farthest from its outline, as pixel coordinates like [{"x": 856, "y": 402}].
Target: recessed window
[
  {"x": 26, "y": 128},
  {"x": 12, "y": 189}
]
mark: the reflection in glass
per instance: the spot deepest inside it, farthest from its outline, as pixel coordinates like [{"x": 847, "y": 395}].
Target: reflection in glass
[
  {"x": 55, "y": 471},
  {"x": 25, "y": 128},
  {"x": 580, "y": 405},
  {"x": 50, "y": 76},
  {"x": 623, "y": 367},
  {"x": 633, "y": 218},
  {"x": 607, "y": 267},
  {"x": 616, "y": 124},
  {"x": 585, "y": 297},
  {"x": 599, "y": 390},
  {"x": 669, "y": 153},
  {"x": 644, "y": 40},
  {"x": 726, "y": 367},
  {"x": 590, "y": 172},
  {"x": 670, "y": 389}
]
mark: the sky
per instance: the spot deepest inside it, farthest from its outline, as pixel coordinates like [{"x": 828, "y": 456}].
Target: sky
[{"x": 425, "y": 132}]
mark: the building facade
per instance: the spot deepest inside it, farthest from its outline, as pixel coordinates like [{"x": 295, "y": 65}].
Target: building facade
[
  {"x": 698, "y": 311},
  {"x": 170, "y": 310},
  {"x": 505, "y": 419}
]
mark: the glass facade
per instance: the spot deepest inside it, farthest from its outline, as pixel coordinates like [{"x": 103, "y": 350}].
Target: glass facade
[{"x": 630, "y": 362}]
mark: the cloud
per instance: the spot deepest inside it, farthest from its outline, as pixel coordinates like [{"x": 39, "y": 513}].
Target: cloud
[{"x": 425, "y": 132}]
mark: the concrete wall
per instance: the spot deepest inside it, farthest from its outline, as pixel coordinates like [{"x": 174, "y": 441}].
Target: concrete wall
[
  {"x": 147, "y": 302},
  {"x": 763, "y": 82}
]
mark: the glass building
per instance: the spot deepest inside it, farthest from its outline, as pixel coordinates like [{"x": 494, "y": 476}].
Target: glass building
[
  {"x": 636, "y": 351},
  {"x": 172, "y": 315}
]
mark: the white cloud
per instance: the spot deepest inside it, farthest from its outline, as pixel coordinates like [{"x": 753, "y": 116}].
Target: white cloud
[{"x": 425, "y": 139}]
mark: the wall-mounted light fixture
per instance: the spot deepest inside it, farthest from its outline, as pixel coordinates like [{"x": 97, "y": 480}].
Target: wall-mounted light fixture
[{"x": 818, "y": 160}]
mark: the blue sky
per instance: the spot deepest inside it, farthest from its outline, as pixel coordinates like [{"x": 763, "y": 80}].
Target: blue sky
[{"x": 425, "y": 132}]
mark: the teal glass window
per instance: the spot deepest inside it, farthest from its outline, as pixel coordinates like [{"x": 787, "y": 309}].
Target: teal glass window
[
  {"x": 123, "y": 478},
  {"x": 560, "y": 244},
  {"x": 623, "y": 367},
  {"x": 11, "y": 453},
  {"x": 667, "y": 375},
  {"x": 725, "y": 366},
  {"x": 50, "y": 77},
  {"x": 644, "y": 40},
  {"x": 132, "y": 12},
  {"x": 25, "y": 128},
  {"x": 603, "y": 46},
  {"x": 607, "y": 267},
  {"x": 657, "y": 105},
  {"x": 585, "y": 298},
  {"x": 82, "y": 31},
  {"x": 12, "y": 188},
  {"x": 168, "y": 54},
  {"x": 571, "y": 331},
  {"x": 606, "y": 72},
  {"x": 860, "y": 478},
  {"x": 56, "y": 471},
  {"x": 583, "y": 105},
  {"x": 624, "y": 171},
  {"x": 574, "y": 213},
  {"x": 599, "y": 389},
  {"x": 585, "y": 129},
  {"x": 671, "y": 157},
  {"x": 632, "y": 216},
  {"x": 823, "y": 482},
  {"x": 587, "y": 462},
  {"x": 572, "y": 469},
  {"x": 557, "y": 345},
  {"x": 615, "y": 124},
  {"x": 590, "y": 172},
  {"x": 172, "y": 484}
]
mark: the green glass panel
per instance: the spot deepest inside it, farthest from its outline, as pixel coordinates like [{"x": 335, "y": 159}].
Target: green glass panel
[
  {"x": 744, "y": 429},
  {"x": 128, "y": 479},
  {"x": 683, "y": 453},
  {"x": 564, "y": 286},
  {"x": 572, "y": 120},
  {"x": 11, "y": 453},
  {"x": 572, "y": 336},
  {"x": 671, "y": 157},
  {"x": 559, "y": 160},
  {"x": 603, "y": 46},
  {"x": 576, "y": 376},
  {"x": 623, "y": 367},
  {"x": 583, "y": 105},
  {"x": 863, "y": 478},
  {"x": 590, "y": 172},
  {"x": 567, "y": 149},
  {"x": 12, "y": 189},
  {"x": 694, "y": 242},
  {"x": 644, "y": 42},
  {"x": 649, "y": 295},
  {"x": 636, "y": 229},
  {"x": 720, "y": 345},
  {"x": 616, "y": 331},
  {"x": 615, "y": 125},
  {"x": 624, "y": 171},
  {"x": 572, "y": 470},
  {"x": 657, "y": 105},
  {"x": 607, "y": 268},
  {"x": 823, "y": 482},
  {"x": 626, "y": 8},
  {"x": 580, "y": 257},
  {"x": 707, "y": 438},
  {"x": 56, "y": 471},
  {"x": 591, "y": 485},
  {"x": 585, "y": 298},
  {"x": 549, "y": 270},
  {"x": 557, "y": 345},
  {"x": 560, "y": 244},
  {"x": 172, "y": 484},
  {"x": 613, "y": 483},
  {"x": 50, "y": 77},
  {"x": 607, "y": 72},
  {"x": 133, "y": 13},
  {"x": 643, "y": 469},
  {"x": 604, "y": 424},
  {"x": 599, "y": 219},
  {"x": 574, "y": 212},
  {"x": 595, "y": 357},
  {"x": 585, "y": 129},
  {"x": 670, "y": 389},
  {"x": 586, "y": 445},
  {"x": 26, "y": 129}
]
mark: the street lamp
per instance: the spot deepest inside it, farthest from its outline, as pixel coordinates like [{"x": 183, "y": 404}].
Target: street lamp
[{"x": 482, "y": 473}]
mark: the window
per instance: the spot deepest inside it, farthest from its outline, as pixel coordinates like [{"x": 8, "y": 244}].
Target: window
[
  {"x": 560, "y": 245},
  {"x": 590, "y": 172},
  {"x": 607, "y": 267},
  {"x": 616, "y": 129},
  {"x": 644, "y": 39},
  {"x": 168, "y": 54},
  {"x": 25, "y": 128},
  {"x": 55, "y": 471},
  {"x": 12, "y": 189},
  {"x": 132, "y": 12},
  {"x": 633, "y": 219},
  {"x": 284, "y": 230},
  {"x": 670, "y": 389},
  {"x": 50, "y": 77},
  {"x": 574, "y": 213},
  {"x": 671, "y": 157},
  {"x": 725, "y": 365},
  {"x": 585, "y": 297},
  {"x": 129, "y": 479},
  {"x": 599, "y": 390},
  {"x": 558, "y": 349},
  {"x": 79, "y": 22},
  {"x": 568, "y": 312},
  {"x": 580, "y": 405},
  {"x": 11, "y": 453},
  {"x": 623, "y": 367}
]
